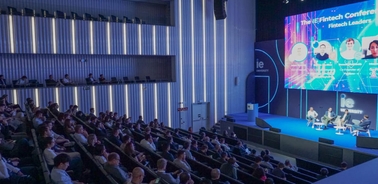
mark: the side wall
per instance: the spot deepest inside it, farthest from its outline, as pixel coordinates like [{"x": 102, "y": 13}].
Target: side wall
[{"x": 209, "y": 54}]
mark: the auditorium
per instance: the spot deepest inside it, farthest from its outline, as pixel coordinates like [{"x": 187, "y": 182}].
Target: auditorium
[{"x": 188, "y": 91}]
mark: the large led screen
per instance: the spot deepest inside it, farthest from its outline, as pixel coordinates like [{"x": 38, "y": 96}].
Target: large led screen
[{"x": 335, "y": 49}]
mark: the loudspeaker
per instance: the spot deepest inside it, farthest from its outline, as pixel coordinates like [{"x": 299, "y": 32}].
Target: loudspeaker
[
  {"x": 220, "y": 9},
  {"x": 327, "y": 141},
  {"x": 275, "y": 130},
  {"x": 261, "y": 123},
  {"x": 367, "y": 142}
]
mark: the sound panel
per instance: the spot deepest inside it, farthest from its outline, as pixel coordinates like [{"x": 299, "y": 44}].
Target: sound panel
[
  {"x": 240, "y": 132},
  {"x": 367, "y": 142},
  {"x": 261, "y": 123},
  {"x": 275, "y": 130},
  {"x": 330, "y": 154},
  {"x": 327, "y": 141},
  {"x": 255, "y": 135},
  {"x": 272, "y": 140},
  {"x": 220, "y": 9},
  {"x": 359, "y": 158}
]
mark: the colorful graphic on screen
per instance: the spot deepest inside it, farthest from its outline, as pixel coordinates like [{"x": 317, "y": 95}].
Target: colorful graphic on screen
[{"x": 335, "y": 49}]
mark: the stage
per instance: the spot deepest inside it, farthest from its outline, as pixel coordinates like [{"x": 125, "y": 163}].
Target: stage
[{"x": 295, "y": 132}]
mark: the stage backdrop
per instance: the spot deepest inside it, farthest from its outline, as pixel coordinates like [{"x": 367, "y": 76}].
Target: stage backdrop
[{"x": 274, "y": 98}]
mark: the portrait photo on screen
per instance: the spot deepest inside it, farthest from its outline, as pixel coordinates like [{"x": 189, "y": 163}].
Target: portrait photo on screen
[{"x": 334, "y": 49}]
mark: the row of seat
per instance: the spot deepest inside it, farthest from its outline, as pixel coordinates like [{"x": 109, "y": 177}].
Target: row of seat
[{"x": 75, "y": 16}]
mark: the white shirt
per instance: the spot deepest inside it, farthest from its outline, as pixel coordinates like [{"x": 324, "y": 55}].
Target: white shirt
[
  {"x": 49, "y": 156},
  {"x": 101, "y": 159},
  {"x": 312, "y": 113},
  {"x": 148, "y": 145},
  {"x": 60, "y": 176},
  {"x": 81, "y": 138},
  {"x": 348, "y": 54},
  {"x": 65, "y": 80},
  {"x": 344, "y": 117}
]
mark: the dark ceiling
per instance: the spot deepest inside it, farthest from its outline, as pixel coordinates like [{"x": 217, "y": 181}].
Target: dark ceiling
[{"x": 270, "y": 14}]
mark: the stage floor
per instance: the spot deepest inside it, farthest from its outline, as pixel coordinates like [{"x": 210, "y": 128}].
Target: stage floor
[{"x": 298, "y": 128}]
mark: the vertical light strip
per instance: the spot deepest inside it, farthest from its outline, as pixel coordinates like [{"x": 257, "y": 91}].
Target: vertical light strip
[
  {"x": 168, "y": 84},
  {"x": 141, "y": 99},
  {"x": 91, "y": 36},
  {"x": 11, "y": 34},
  {"x": 73, "y": 37},
  {"x": 33, "y": 36},
  {"x": 192, "y": 54},
  {"x": 225, "y": 67},
  {"x": 127, "y": 101},
  {"x": 124, "y": 39},
  {"x": 154, "y": 40},
  {"x": 53, "y": 35},
  {"x": 36, "y": 93},
  {"x": 204, "y": 49},
  {"x": 169, "y": 105},
  {"x": 94, "y": 98},
  {"x": 139, "y": 39},
  {"x": 180, "y": 52},
  {"x": 15, "y": 99},
  {"x": 108, "y": 36},
  {"x": 57, "y": 95},
  {"x": 75, "y": 97},
  {"x": 168, "y": 46},
  {"x": 215, "y": 70},
  {"x": 155, "y": 101},
  {"x": 111, "y": 98}
]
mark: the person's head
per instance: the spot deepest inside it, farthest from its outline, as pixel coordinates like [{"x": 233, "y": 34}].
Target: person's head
[
  {"x": 44, "y": 131},
  {"x": 67, "y": 123},
  {"x": 263, "y": 153},
  {"x": 366, "y": 116},
  {"x": 161, "y": 164},
  {"x": 207, "y": 139},
  {"x": 217, "y": 147},
  {"x": 79, "y": 129},
  {"x": 148, "y": 138},
  {"x": 330, "y": 109},
  {"x": 224, "y": 155},
  {"x": 267, "y": 152},
  {"x": 166, "y": 147},
  {"x": 204, "y": 148},
  {"x": 231, "y": 160},
  {"x": 91, "y": 110},
  {"x": 258, "y": 160},
  {"x": 129, "y": 148},
  {"x": 346, "y": 111},
  {"x": 137, "y": 175},
  {"x": 194, "y": 143},
  {"x": 287, "y": 163},
  {"x": 187, "y": 145},
  {"x": 48, "y": 124},
  {"x": 126, "y": 139},
  {"x": 101, "y": 75},
  {"x": 92, "y": 139},
  {"x": 39, "y": 114},
  {"x": 344, "y": 165},
  {"x": 140, "y": 117},
  {"x": 258, "y": 173},
  {"x": 322, "y": 48},
  {"x": 373, "y": 47},
  {"x": 147, "y": 130},
  {"x": 115, "y": 131},
  {"x": 1, "y": 76},
  {"x": 350, "y": 43},
  {"x": 66, "y": 76},
  {"x": 311, "y": 108},
  {"x": 49, "y": 142},
  {"x": 190, "y": 129},
  {"x": 215, "y": 174},
  {"x": 181, "y": 154},
  {"x": 99, "y": 149},
  {"x": 185, "y": 177},
  {"x": 113, "y": 159},
  {"x": 23, "y": 77},
  {"x": 62, "y": 161},
  {"x": 90, "y": 75},
  {"x": 281, "y": 165},
  {"x": 253, "y": 152},
  {"x": 266, "y": 158},
  {"x": 50, "y": 76},
  {"x": 324, "y": 171}
]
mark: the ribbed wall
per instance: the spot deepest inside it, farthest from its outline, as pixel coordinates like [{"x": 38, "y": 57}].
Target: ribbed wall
[{"x": 210, "y": 54}]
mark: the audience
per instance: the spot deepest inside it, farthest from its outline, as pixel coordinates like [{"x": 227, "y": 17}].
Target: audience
[
  {"x": 67, "y": 81},
  {"x": 81, "y": 135},
  {"x": 23, "y": 81},
  {"x": 148, "y": 143},
  {"x": 58, "y": 173},
  {"x": 100, "y": 154},
  {"x": 229, "y": 168}
]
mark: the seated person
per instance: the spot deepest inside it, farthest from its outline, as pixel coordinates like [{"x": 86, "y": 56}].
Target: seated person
[
  {"x": 168, "y": 177},
  {"x": 278, "y": 171},
  {"x": 53, "y": 82},
  {"x": 166, "y": 154},
  {"x": 180, "y": 161},
  {"x": 328, "y": 117},
  {"x": 186, "y": 148},
  {"x": 259, "y": 173},
  {"x": 9, "y": 173},
  {"x": 266, "y": 162},
  {"x": 204, "y": 149},
  {"x": 58, "y": 173},
  {"x": 343, "y": 166},
  {"x": 208, "y": 143},
  {"x": 125, "y": 140},
  {"x": 115, "y": 137},
  {"x": 91, "y": 80},
  {"x": 223, "y": 158},
  {"x": 130, "y": 151},
  {"x": 311, "y": 116},
  {"x": 102, "y": 79},
  {"x": 23, "y": 81},
  {"x": 229, "y": 168},
  {"x": 346, "y": 118},
  {"x": 148, "y": 143},
  {"x": 364, "y": 123},
  {"x": 257, "y": 162},
  {"x": 215, "y": 177},
  {"x": 113, "y": 168},
  {"x": 3, "y": 82},
  {"x": 67, "y": 81},
  {"x": 224, "y": 145},
  {"x": 289, "y": 166},
  {"x": 80, "y": 134},
  {"x": 185, "y": 178},
  {"x": 100, "y": 154},
  {"x": 323, "y": 174},
  {"x": 92, "y": 142}
]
